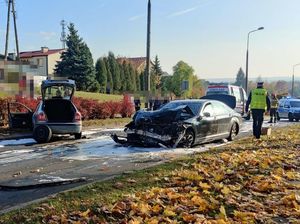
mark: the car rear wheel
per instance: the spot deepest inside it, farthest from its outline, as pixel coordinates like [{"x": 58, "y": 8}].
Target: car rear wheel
[
  {"x": 233, "y": 132},
  {"x": 78, "y": 135},
  {"x": 297, "y": 119},
  {"x": 188, "y": 139},
  {"x": 42, "y": 134}
]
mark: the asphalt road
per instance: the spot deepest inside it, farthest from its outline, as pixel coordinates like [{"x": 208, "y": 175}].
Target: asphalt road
[{"x": 31, "y": 172}]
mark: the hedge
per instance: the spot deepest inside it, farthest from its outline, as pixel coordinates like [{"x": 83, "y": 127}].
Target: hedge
[{"x": 89, "y": 108}]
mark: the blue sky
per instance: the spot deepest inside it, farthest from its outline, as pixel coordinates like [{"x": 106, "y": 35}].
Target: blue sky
[{"x": 210, "y": 35}]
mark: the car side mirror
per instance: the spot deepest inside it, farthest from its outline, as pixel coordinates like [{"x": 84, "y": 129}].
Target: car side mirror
[{"x": 206, "y": 114}]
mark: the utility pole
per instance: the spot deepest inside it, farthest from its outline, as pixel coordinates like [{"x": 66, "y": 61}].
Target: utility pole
[
  {"x": 15, "y": 26},
  {"x": 148, "y": 88},
  {"x": 7, "y": 30},
  {"x": 63, "y": 34},
  {"x": 11, "y": 3}
]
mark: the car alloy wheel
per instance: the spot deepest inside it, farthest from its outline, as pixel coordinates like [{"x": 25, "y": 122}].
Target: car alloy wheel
[
  {"x": 233, "y": 132},
  {"x": 188, "y": 139}
]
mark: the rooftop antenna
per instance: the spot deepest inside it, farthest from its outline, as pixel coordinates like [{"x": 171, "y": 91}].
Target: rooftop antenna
[
  {"x": 11, "y": 9},
  {"x": 63, "y": 34}
]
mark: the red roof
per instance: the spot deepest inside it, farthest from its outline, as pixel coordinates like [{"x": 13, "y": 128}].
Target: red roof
[
  {"x": 136, "y": 62},
  {"x": 30, "y": 54}
]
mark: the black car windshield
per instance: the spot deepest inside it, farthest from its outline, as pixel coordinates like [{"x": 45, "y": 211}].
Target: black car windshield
[
  {"x": 194, "y": 106},
  {"x": 295, "y": 103}
]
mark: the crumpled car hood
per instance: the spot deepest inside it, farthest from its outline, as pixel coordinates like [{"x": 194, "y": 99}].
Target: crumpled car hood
[{"x": 163, "y": 116}]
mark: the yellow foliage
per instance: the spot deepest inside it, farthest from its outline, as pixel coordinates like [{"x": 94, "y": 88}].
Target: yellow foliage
[
  {"x": 169, "y": 213},
  {"x": 244, "y": 217},
  {"x": 225, "y": 190}
]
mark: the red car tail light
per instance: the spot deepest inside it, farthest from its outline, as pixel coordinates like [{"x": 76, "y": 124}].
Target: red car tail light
[
  {"x": 77, "y": 116},
  {"x": 41, "y": 116}
]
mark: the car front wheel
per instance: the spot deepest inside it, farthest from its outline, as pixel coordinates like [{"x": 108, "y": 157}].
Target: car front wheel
[
  {"x": 188, "y": 139},
  {"x": 233, "y": 132}
]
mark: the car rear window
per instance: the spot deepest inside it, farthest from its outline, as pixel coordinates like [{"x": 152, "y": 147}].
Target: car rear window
[{"x": 58, "y": 92}]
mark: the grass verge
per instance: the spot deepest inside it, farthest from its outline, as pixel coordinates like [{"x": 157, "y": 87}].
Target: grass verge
[
  {"x": 248, "y": 181},
  {"x": 99, "y": 96},
  {"x": 106, "y": 123}
]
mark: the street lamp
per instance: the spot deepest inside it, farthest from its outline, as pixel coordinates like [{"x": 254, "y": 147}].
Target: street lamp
[
  {"x": 293, "y": 78},
  {"x": 247, "y": 57}
]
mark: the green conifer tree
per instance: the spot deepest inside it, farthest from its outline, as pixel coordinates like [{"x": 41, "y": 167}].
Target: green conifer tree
[
  {"x": 77, "y": 63},
  {"x": 101, "y": 74}
]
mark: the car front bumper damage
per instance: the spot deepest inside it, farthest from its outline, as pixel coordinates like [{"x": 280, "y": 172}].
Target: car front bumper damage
[{"x": 148, "y": 137}]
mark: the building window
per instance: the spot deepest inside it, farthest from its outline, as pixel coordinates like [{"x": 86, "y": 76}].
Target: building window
[
  {"x": 1, "y": 74},
  {"x": 40, "y": 62}
]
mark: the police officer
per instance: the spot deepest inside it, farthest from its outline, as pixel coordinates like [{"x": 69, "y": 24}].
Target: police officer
[
  {"x": 259, "y": 103},
  {"x": 274, "y": 107}
]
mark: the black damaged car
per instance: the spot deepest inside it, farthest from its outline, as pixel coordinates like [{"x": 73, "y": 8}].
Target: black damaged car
[{"x": 182, "y": 123}]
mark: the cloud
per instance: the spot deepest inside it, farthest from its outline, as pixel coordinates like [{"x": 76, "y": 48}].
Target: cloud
[
  {"x": 47, "y": 35},
  {"x": 180, "y": 13},
  {"x": 134, "y": 18}
]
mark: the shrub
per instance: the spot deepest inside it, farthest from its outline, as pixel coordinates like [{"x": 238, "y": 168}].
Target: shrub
[
  {"x": 127, "y": 107},
  {"x": 3, "y": 111},
  {"x": 114, "y": 108}
]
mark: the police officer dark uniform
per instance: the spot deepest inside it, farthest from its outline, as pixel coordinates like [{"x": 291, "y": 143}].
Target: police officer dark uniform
[{"x": 259, "y": 103}]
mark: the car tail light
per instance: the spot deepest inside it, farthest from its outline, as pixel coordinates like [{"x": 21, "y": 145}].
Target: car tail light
[
  {"x": 77, "y": 116},
  {"x": 41, "y": 116}
]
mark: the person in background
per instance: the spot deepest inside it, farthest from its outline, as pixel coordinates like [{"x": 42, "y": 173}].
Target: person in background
[
  {"x": 274, "y": 108},
  {"x": 157, "y": 103},
  {"x": 259, "y": 103},
  {"x": 166, "y": 100},
  {"x": 67, "y": 93},
  {"x": 58, "y": 93},
  {"x": 137, "y": 104}
]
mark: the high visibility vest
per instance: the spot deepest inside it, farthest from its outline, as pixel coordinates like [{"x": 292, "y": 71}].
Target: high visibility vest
[
  {"x": 274, "y": 103},
  {"x": 258, "y": 99}
]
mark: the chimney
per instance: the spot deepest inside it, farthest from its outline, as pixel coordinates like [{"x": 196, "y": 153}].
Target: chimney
[{"x": 44, "y": 49}]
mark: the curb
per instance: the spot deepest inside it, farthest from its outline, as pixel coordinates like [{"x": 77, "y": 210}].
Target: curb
[{"x": 16, "y": 136}]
